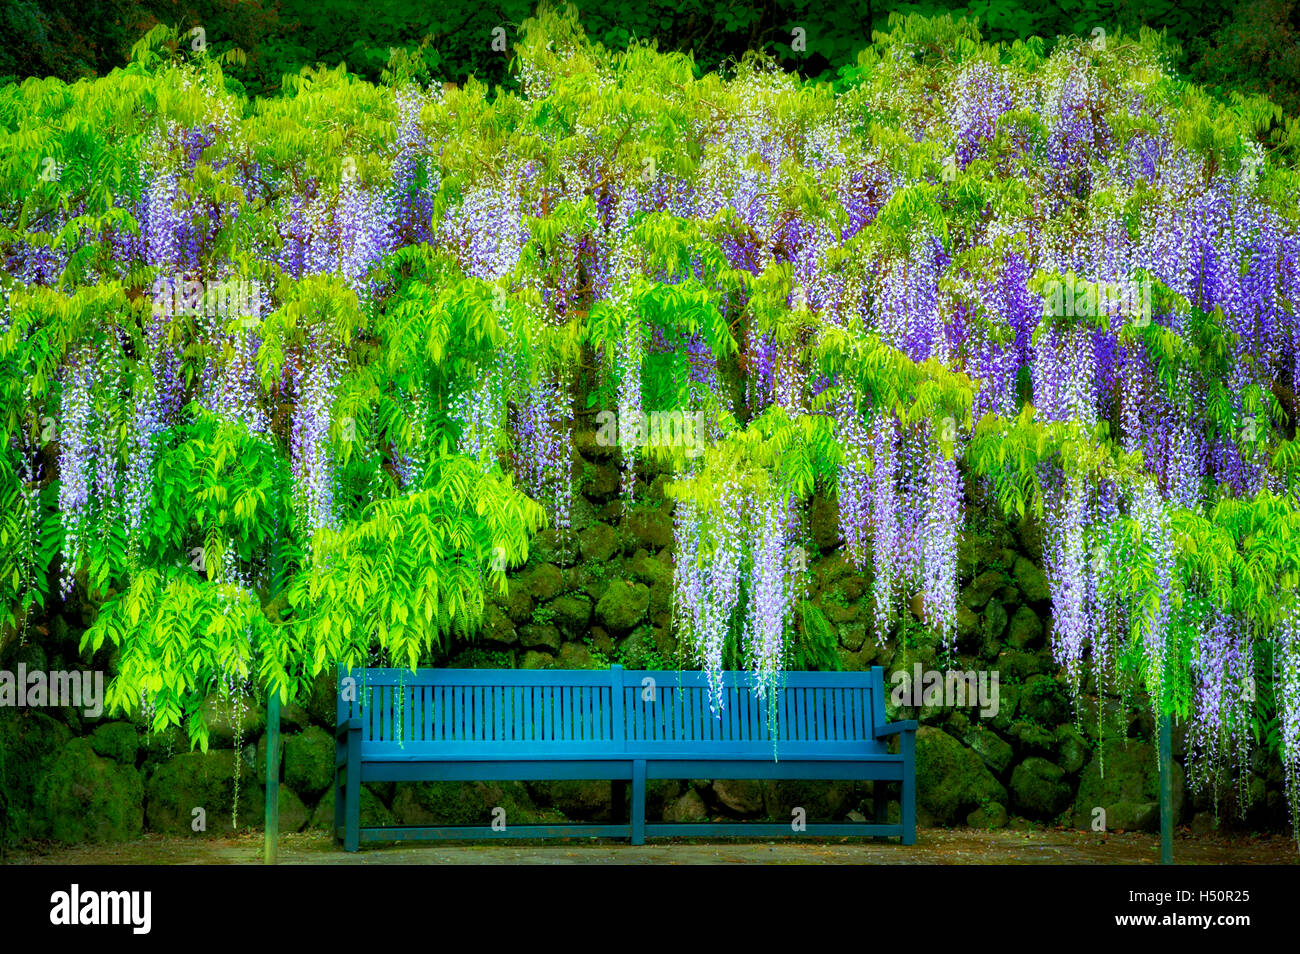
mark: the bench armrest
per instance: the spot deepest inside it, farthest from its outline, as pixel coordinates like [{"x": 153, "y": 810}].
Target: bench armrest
[
  {"x": 347, "y": 725},
  {"x": 895, "y": 728}
]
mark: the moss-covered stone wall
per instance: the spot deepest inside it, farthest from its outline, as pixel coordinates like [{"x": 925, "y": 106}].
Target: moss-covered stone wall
[{"x": 602, "y": 593}]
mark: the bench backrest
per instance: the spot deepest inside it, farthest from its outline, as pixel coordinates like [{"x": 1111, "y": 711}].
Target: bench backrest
[{"x": 519, "y": 713}]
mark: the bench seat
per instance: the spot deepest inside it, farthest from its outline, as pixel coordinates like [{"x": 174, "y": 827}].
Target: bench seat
[{"x": 624, "y": 726}]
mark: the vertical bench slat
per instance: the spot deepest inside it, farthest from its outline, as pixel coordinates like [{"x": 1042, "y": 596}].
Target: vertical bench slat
[
  {"x": 371, "y": 715},
  {"x": 434, "y": 716},
  {"x": 500, "y": 722},
  {"x": 543, "y": 715},
  {"x": 574, "y": 713},
  {"x": 481, "y": 711},
  {"x": 638, "y": 713},
  {"x": 471, "y": 713},
  {"x": 426, "y": 708},
  {"x": 618, "y": 732},
  {"x": 676, "y": 714},
  {"x": 786, "y": 729},
  {"x": 519, "y": 708},
  {"x": 563, "y": 726},
  {"x": 456, "y": 712},
  {"x": 448, "y": 713}
]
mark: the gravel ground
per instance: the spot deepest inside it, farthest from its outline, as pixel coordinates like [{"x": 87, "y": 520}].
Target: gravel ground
[{"x": 934, "y": 846}]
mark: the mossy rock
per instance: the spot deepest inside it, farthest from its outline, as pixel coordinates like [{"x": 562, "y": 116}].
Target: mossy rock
[
  {"x": 988, "y": 745},
  {"x": 29, "y": 740},
  {"x": 852, "y": 637},
  {"x": 1039, "y": 789},
  {"x": 1031, "y": 581},
  {"x": 820, "y": 800},
  {"x": 1032, "y": 737},
  {"x": 951, "y": 780},
  {"x": 576, "y": 656},
  {"x": 576, "y": 800},
  {"x": 119, "y": 741},
  {"x": 649, "y": 570},
  {"x": 87, "y": 798},
  {"x": 1106, "y": 718},
  {"x": 1026, "y": 629},
  {"x": 294, "y": 814},
  {"x": 498, "y": 629},
  {"x": 740, "y": 796},
  {"x": 968, "y": 625},
  {"x": 238, "y": 716},
  {"x": 1008, "y": 703},
  {"x": 1122, "y": 778},
  {"x": 1020, "y": 666},
  {"x": 545, "y": 582},
  {"x": 993, "y": 621},
  {"x": 558, "y": 547},
  {"x": 597, "y": 543},
  {"x": 623, "y": 606},
  {"x": 1072, "y": 749},
  {"x": 193, "y": 780},
  {"x": 650, "y": 527},
  {"x": 571, "y": 614},
  {"x": 537, "y": 660},
  {"x": 322, "y": 703},
  {"x": 687, "y": 807},
  {"x": 982, "y": 588},
  {"x": 1045, "y": 701},
  {"x": 540, "y": 636},
  {"x": 989, "y": 816},
  {"x": 468, "y": 803},
  {"x": 309, "y": 761},
  {"x": 374, "y": 813},
  {"x": 600, "y": 482}
]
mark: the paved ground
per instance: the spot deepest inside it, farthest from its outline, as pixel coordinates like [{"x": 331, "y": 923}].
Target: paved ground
[{"x": 934, "y": 846}]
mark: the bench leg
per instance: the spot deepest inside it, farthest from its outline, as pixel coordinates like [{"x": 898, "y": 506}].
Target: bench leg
[
  {"x": 352, "y": 794},
  {"x": 907, "y": 746},
  {"x": 618, "y": 799},
  {"x": 638, "y": 802},
  {"x": 340, "y": 818},
  {"x": 879, "y": 804}
]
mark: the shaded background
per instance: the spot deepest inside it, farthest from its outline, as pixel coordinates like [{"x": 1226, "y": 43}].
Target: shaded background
[{"x": 1247, "y": 45}]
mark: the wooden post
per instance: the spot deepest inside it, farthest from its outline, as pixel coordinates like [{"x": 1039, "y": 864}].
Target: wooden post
[
  {"x": 272, "y": 776},
  {"x": 1166, "y": 759}
]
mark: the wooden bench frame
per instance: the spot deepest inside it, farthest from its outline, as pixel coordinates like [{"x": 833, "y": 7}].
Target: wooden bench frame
[{"x": 492, "y": 724}]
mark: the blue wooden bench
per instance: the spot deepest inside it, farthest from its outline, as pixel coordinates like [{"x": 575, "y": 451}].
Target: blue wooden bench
[{"x": 395, "y": 725}]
